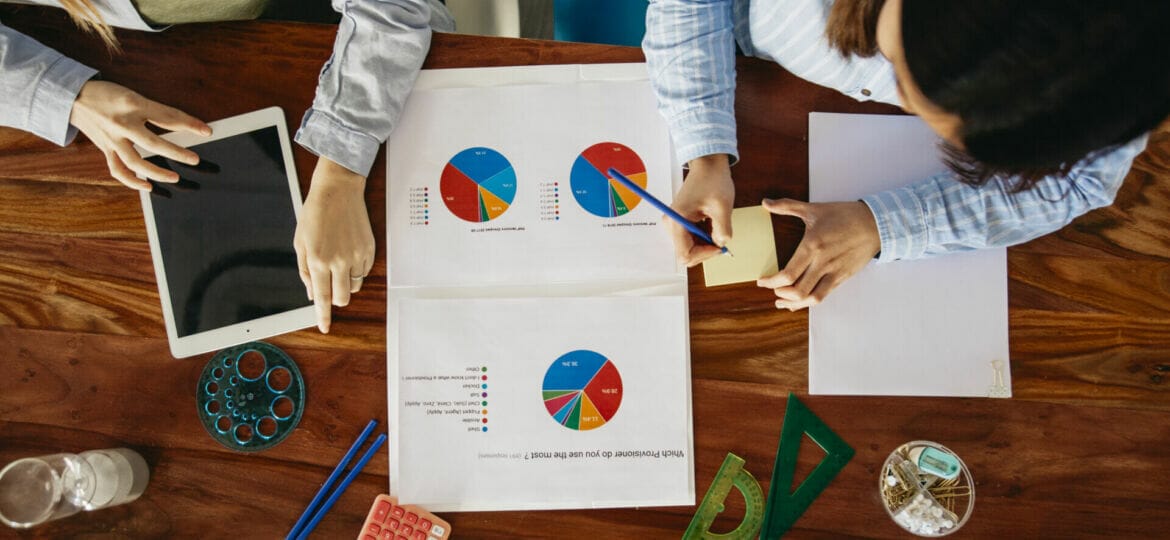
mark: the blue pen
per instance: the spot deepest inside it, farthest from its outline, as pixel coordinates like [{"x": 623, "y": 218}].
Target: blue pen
[
  {"x": 670, "y": 213},
  {"x": 357, "y": 468},
  {"x": 321, "y": 493}
]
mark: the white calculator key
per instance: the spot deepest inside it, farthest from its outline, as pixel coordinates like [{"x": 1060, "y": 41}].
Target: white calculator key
[{"x": 438, "y": 530}]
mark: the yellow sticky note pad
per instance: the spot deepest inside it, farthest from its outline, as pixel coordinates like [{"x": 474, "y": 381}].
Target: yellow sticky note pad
[{"x": 754, "y": 248}]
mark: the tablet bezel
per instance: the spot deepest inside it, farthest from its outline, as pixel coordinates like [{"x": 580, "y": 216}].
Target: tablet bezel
[{"x": 264, "y": 327}]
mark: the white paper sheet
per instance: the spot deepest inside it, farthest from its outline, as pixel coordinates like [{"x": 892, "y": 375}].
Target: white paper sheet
[
  {"x": 544, "y": 234},
  {"x": 577, "y": 270},
  {"x": 934, "y": 327},
  {"x": 511, "y": 354}
]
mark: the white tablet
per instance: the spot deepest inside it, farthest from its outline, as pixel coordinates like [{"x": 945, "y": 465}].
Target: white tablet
[{"x": 222, "y": 238}]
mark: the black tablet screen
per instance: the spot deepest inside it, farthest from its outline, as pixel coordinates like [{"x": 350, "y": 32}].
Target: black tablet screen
[{"x": 226, "y": 234}]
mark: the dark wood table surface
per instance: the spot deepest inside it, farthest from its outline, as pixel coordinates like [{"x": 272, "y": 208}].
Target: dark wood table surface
[{"x": 1082, "y": 450}]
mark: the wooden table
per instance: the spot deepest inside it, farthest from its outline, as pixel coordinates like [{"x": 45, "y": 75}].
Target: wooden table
[{"x": 1082, "y": 450}]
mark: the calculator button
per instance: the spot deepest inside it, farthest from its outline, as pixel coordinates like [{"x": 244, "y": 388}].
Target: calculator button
[
  {"x": 380, "y": 511},
  {"x": 398, "y": 512},
  {"x": 373, "y": 529},
  {"x": 411, "y": 518},
  {"x": 423, "y": 525},
  {"x": 387, "y": 534},
  {"x": 406, "y": 530},
  {"x": 392, "y": 524},
  {"x": 419, "y": 535},
  {"x": 438, "y": 530},
  {"x": 400, "y": 537},
  {"x": 368, "y": 537}
]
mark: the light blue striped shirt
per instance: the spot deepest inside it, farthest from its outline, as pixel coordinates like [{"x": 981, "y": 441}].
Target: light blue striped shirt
[{"x": 690, "y": 49}]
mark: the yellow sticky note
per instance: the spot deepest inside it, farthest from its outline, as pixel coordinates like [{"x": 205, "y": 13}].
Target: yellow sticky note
[{"x": 754, "y": 248}]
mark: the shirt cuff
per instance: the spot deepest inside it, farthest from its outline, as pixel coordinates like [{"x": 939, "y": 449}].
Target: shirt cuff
[
  {"x": 53, "y": 98},
  {"x": 702, "y": 132},
  {"x": 327, "y": 137},
  {"x": 901, "y": 223}
]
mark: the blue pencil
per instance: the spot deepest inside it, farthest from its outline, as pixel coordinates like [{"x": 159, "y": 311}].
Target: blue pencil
[
  {"x": 357, "y": 469},
  {"x": 670, "y": 213},
  {"x": 292, "y": 534}
]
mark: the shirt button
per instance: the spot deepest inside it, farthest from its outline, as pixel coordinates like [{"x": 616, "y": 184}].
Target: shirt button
[{"x": 865, "y": 92}]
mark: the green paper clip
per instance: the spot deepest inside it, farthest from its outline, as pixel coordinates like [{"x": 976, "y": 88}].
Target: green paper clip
[
  {"x": 785, "y": 508},
  {"x": 731, "y": 474}
]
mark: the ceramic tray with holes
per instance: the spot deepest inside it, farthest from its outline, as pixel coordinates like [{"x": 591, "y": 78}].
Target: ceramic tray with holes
[{"x": 250, "y": 397}]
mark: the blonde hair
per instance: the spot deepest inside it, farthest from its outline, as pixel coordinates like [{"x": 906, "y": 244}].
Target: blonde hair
[{"x": 86, "y": 16}]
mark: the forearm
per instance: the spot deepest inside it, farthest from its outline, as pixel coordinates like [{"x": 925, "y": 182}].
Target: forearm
[
  {"x": 941, "y": 215},
  {"x": 38, "y": 86},
  {"x": 379, "y": 49},
  {"x": 690, "y": 53}
]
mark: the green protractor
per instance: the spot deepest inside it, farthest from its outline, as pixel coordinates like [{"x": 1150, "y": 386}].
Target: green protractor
[{"x": 731, "y": 474}]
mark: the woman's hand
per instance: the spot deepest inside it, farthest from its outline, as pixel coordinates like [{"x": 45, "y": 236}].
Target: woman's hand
[
  {"x": 114, "y": 118},
  {"x": 839, "y": 240},
  {"x": 708, "y": 193},
  {"x": 334, "y": 241}
]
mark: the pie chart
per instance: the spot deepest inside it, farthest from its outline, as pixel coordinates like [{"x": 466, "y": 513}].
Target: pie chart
[
  {"x": 592, "y": 187},
  {"x": 582, "y": 390},
  {"x": 478, "y": 184}
]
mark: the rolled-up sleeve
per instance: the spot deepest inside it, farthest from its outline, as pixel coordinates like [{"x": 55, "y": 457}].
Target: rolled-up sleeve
[
  {"x": 942, "y": 215},
  {"x": 690, "y": 53},
  {"x": 38, "y": 86},
  {"x": 380, "y": 47}
]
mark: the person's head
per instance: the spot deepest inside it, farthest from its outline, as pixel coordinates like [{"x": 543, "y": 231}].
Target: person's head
[{"x": 1019, "y": 88}]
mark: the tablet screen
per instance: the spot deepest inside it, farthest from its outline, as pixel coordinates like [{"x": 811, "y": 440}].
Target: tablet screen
[{"x": 226, "y": 234}]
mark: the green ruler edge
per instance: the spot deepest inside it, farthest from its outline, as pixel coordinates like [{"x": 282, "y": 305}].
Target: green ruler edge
[{"x": 785, "y": 508}]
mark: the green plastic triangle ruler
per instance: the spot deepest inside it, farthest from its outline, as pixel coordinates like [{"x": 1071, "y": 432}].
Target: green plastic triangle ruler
[
  {"x": 785, "y": 508},
  {"x": 731, "y": 474}
]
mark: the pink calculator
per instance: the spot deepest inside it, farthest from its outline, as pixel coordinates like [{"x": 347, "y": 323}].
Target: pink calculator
[{"x": 389, "y": 520}]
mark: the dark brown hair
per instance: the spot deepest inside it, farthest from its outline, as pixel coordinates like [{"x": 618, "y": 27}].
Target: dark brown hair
[{"x": 1039, "y": 85}]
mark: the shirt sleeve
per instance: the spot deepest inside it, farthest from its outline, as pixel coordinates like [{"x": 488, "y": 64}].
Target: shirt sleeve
[
  {"x": 380, "y": 47},
  {"x": 942, "y": 215},
  {"x": 38, "y": 86},
  {"x": 690, "y": 53}
]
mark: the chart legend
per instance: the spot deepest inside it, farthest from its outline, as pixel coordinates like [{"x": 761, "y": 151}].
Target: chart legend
[
  {"x": 478, "y": 184},
  {"x": 595, "y": 191},
  {"x": 420, "y": 206},
  {"x": 582, "y": 390}
]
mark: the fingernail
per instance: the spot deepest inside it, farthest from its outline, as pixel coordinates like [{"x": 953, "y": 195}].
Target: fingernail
[
  {"x": 767, "y": 201},
  {"x": 206, "y": 130}
]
